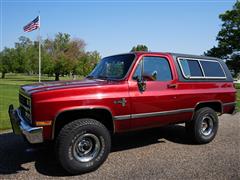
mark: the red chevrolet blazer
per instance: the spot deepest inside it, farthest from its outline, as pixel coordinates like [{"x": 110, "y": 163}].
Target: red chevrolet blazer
[{"x": 123, "y": 93}]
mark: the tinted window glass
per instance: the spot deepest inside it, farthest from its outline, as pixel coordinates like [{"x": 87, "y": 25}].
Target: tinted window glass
[
  {"x": 138, "y": 71},
  {"x": 185, "y": 67},
  {"x": 156, "y": 68},
  {"x": 195, "y": 69},
  {"x": 212, "y": 69},
  {"x": 115, "y": 67},
  {"x": 191, "y": 68}
]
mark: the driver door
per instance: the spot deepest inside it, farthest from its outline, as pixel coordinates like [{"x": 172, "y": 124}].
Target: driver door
[{"x": 150, "y": 106}]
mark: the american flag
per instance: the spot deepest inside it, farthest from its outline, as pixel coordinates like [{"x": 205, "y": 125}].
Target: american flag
[{"x": 35, "y": 24}]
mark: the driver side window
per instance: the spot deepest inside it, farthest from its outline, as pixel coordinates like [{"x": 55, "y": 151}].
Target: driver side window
[
  {"x": 154, "y": 69},
  {"x": 138, "y": 72}
]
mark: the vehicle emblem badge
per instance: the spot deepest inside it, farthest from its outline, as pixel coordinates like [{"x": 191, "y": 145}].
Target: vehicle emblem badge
[{"x": 121, "y": 101}]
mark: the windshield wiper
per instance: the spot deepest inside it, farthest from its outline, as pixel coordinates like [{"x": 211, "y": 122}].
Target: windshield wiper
[
  {"x": 102, "y": 77},
  {"x": 90, "y": 77}
]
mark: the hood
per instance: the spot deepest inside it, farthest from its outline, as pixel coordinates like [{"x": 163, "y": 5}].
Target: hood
[{"x": 46, "y": 86}]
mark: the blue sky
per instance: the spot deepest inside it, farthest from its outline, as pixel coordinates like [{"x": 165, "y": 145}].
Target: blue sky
[{"x": 112, "y": 27}]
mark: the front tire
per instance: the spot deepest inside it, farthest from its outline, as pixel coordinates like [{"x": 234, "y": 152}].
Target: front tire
[
  {"x": 82, "y": 146},
  {"x": 204, "y": 125}
]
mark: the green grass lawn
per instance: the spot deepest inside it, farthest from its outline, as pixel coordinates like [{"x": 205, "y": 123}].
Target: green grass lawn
[
  {"x": 9, "y": 93},
  {"x": 238, "y": 95},
  {"x": 238, "y": 99}
]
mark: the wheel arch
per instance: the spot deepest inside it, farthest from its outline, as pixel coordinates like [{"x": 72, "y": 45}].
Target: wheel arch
[
  {"x": 215, "y": 105},
  {"x": 101, "y": 114}
]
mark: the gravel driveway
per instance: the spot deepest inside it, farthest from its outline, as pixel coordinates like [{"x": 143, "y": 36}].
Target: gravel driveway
[{"x": 163, "y": 153}]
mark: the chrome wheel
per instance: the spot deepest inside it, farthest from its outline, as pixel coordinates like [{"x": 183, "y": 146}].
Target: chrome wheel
[
  {"x": 207, "y": 125},
  {"x": 86, "y": 147}
]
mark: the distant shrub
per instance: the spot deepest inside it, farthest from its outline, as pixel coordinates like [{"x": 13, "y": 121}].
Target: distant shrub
[{"x": 237, "y": 85}]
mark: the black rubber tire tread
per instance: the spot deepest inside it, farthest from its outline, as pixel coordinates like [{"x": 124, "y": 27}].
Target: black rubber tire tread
[
  {"x": 72, "y": 129},
  {"x": 192, "y": 127}
]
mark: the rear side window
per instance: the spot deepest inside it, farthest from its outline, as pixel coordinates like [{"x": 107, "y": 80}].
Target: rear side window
[
  {"x": 191, "y": 68},
  {"x": 201, "y": 68},
  {"x": 212, "y": 69}
]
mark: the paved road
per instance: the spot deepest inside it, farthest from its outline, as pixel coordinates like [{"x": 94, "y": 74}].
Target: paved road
[{"x": 163, "y": 153}]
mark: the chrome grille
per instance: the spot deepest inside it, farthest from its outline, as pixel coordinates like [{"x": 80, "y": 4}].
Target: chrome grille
[
  {"x": 25, "y": 106},
  {"x": 23, "y": 100}
]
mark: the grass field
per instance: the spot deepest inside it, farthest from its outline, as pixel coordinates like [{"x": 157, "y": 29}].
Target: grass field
[
  {"x": 238, "y": 95},
  {"x": 9, "y": 93},
  {"x": 238, "y": 99}
]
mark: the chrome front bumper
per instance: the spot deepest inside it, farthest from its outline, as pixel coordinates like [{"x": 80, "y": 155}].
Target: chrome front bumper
[{"x": 21, "y": 127}]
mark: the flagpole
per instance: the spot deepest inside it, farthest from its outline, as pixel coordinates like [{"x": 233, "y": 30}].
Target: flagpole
[{"x": 39, "y": 52}]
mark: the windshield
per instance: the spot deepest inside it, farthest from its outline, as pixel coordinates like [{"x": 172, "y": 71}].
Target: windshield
[{"x": 113, "y": 67}]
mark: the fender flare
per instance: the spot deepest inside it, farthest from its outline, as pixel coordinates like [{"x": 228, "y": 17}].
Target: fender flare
[
  {"x": 203, "y": 102},
  {"x": 79, "y": 108}
]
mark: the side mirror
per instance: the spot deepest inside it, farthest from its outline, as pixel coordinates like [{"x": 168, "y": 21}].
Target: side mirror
[
  {"x": 141, "y": 83},
  {"x": 136, "y": 78},
  {"x": 149, "y": 77}
]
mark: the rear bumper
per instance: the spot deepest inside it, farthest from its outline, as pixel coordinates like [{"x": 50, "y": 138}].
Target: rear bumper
[
  {"x": 234, "y": 109},
  {"x": 21, "y": 127},
  {"x": 230, "y": 108}
]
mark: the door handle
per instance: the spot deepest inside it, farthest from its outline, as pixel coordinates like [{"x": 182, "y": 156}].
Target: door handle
[{"x": 172, "y": 85}]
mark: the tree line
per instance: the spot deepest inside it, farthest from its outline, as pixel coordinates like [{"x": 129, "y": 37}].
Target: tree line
[
  {"x": 64, "y": 55},
  {"x": 60, "y": 56},
  {"x": 228, "y": 39}
]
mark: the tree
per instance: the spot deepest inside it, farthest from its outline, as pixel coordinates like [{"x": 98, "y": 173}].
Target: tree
[
  {"x": 32, "y": 56},
  {"x": 234, "y": 63},
  {"x": 63, "y": 53},
  {"x": 139, "y": 47},
  {"x": 16, "y": 59},
  {"x": 7, "y": 61},
  {"x": 60, "y": 56},
  {"x": 22, "y": 49},
  {"x": 87, "y": 62},
  {"x": 228, "y": 37}
]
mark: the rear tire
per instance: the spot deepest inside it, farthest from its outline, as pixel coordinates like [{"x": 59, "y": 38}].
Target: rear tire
[
  {"x": 82, "y": 146},
  {"x": 204, "y": 125}
]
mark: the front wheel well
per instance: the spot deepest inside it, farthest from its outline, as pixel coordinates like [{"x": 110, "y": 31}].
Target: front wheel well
[{"x": 101, "y": 115}]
